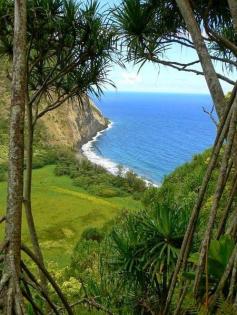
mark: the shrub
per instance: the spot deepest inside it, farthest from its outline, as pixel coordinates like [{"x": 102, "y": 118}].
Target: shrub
[
  {"x": 96, "y": 179},
  {"x": 134, "y": 183},
  {"x": 67, "y": 164},
  {"x": 43, "y": 157},
  {"x": 2, "y": 175},
  {"x": 3, "y": 172},
  {"x": 102, "y": 190},
  {"x": 83, "y": 181},
  {"x": 92, "y": 234},
  {"x": 150, "y": 197}
]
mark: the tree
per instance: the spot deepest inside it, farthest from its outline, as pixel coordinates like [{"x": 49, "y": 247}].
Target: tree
[
  {"x": 163, "y": 23},
  {"x": 10, "y": 280},
  {"x": 68, "y": 55},
  {"x": 149, "y": 28},
  {"x": 145, "y": 250}
]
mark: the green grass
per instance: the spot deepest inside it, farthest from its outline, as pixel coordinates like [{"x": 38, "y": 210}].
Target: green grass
[{"x": 62, "y": 211}]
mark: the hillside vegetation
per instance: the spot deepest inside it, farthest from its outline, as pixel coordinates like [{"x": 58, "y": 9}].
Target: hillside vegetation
[
  {"x": 62, "y": 211},
  {"x": 67, "y": 199},
  {"x": 136, "y": 254}
]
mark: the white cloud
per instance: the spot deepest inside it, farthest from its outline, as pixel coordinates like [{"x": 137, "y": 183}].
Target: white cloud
[{"x": 130, "y": 78}]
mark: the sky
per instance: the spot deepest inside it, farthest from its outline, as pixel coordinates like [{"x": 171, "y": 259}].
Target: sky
[{"x": 154, "y": 78}]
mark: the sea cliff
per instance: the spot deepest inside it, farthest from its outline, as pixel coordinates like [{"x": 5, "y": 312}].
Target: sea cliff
[
  {"x": 71, "y": 125},
  {"x": 74, "y": 123}
]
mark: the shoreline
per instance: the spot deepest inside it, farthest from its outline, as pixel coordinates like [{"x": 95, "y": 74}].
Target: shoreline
[{"x": 112, "y": 167}]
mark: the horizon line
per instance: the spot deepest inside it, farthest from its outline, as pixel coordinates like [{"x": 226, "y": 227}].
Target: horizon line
[{"x": 156, "y": 92}]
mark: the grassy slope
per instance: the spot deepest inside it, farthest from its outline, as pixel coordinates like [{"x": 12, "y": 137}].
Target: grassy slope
[{"x": 62, "y": 211}]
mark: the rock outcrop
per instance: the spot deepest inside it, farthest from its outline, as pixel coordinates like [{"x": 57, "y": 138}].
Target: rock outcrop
[
  {"x": 71, "y": 125},
  {"x": 74, "y": 123}
]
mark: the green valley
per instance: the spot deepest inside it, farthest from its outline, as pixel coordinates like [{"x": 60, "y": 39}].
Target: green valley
[{"x": 62, "y": 211}]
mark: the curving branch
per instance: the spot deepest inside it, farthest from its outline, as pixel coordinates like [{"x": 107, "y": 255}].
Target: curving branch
[
  {"x": 37, "y": 287},
  {"x": 91, "y": 302},
  {"x": 189, "y": 234},
  {"x": 61, "y": 99},
  {"x": 210, "y": 114},
  {"x": 49, "y": 277},
  {"x": 185, "y": 67},
  {"x": 214, "y": 35},
  {"x": 2, "y": 219},
  {"x": 217, "y": 195}
]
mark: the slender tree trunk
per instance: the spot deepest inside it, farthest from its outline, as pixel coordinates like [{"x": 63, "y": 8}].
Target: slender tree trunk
[
  {"x": 222, "y": 224},
  {"x": 217, "y": 196},
  {"x": 14, "y": 303},
  {"x": 233, "y": 281},
  {"x": 27, "y": 193},
  {"x": 188, "y": 237},
  {"x": 224, "y": 277},
  {"x": 233, "y": 11},
  {"x": 203, "y": 54}
]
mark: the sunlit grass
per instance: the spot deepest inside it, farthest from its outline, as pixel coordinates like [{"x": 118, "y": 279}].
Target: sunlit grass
[{"x": 62, "y": 211}]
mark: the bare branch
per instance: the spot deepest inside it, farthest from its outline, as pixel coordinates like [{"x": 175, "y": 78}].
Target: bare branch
[
  {"x": 2, "y": 219},
  {"x": 62, "y": 98},
  {"x": 36, "y": 286},
  {"x": 90, "y": 302},
  {"x": 185, "y": 67},
  {"x": 210, "y": 114},
  {"x": 49, "y": 277}
]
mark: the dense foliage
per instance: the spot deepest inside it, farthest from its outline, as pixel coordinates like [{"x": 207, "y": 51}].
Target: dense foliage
[
  {"x": 128, "y": 264},
  {"x": 96, "y": 180}
]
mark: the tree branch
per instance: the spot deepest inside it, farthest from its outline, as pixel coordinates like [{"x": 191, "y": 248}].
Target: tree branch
[
  {"x": 49, "y": 277},
  {"x": 90, "y": 302},
  {"x": 184, "y": 67},
  {"x": 210, "y": 114}
]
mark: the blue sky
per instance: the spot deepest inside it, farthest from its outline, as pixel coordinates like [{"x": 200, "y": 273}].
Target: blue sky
[{"x": 154, "y": 78}]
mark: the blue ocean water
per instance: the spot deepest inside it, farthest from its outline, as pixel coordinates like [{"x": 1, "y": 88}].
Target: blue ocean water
[{"x": 152, "y": 133}]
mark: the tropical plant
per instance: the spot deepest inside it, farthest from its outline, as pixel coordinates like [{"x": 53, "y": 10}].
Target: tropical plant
[
  {"x": 145, "y": 251},
  {"x": 218, "y": 257}
]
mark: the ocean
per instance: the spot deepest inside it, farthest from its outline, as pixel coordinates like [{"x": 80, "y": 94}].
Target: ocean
[{"x": 151, "y": 133}]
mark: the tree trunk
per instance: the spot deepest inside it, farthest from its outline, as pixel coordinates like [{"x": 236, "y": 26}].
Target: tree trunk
[
  {"x": 203, "y": 54},
  {"x": 233, "y": 11},
  {"x": 217, "y": 196},
  {"x": 188, "y": 237},
  {"x": 12, "y": 293},
  {"x": 27, "y": 194}
]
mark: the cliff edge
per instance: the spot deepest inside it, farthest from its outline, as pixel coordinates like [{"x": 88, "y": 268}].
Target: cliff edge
[
  {"x": 71, "y": 125},
  {"x": 74, "y": 123}
]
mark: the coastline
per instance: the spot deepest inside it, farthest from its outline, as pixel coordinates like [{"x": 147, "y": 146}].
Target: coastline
[
  {"x": 88, "y": 152},
  {"x": 112, "y": 167}
]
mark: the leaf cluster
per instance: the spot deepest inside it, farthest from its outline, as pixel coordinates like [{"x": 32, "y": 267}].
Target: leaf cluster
[
  {"x": 70, "y": 48},
  {"x": 148, "y": 28}
]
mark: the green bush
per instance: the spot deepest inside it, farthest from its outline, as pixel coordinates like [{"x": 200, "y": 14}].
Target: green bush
[
  {"x": 44, "y": 156},
  {"x": 150, "y": 197},
  {"x": 67, "y": 164},
  {"x": 97, "y": 180},
  {"x": 3, "y": 172},
  {"x": 83, "y": 181},
  {"x": 102, "y": 190},
  {"x": 134, "y": 183},
  {"x": 3, "y": 175},
  {"x": 92, "y": 234}
]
